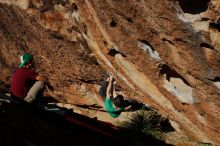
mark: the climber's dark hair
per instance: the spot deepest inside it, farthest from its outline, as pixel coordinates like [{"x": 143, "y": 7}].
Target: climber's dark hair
[{"x": 119, "y": 101}]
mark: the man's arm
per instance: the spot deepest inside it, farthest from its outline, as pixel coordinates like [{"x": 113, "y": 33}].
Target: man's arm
[{"x": 41, "y": 78}]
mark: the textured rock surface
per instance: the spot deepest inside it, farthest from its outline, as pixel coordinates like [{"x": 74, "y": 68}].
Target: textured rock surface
[{"x": 144, "y": 44}]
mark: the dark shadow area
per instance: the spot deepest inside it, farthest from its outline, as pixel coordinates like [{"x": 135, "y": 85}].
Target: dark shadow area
[
  {"x": 46, "y": 128},
  {"x": 129, "y": 20},
  {"x": 207, "y": 46},
  {"x": 216, "y": 79},
  {"x": 73, "y": 7},
  {"x": 166, "y": 40},
  {"x": 89, "y": 81},
  {"x": 73, "y": 28},
  {"x": 139, "y": 136},
  {"x": 57, "y": 2},
  {"x": 91, "y": 107},
  {"x": 3, "y": 61},
  {"x": 57, "y": 36},
  {"x": 166, "y": 126},
  {"x": 133, "y": 105},
  {"x": 5, "y": 88},
  {"x": 23, "y": 124},
  {"x": 193, "y": 6},
  {"x": 95, "y": 106},
  {"x": 147, "y": 43},
  {"x": 113, "y": 52},
  {"x": 42, "y": 101},
  {"x": 215, "y": 25},
  {"x": 113, "y": 23},
  {"x": 165, "y": 69}
]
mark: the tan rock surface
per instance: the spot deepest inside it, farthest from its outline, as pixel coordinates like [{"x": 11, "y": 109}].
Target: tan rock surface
[{"x": 141, "y": 43}]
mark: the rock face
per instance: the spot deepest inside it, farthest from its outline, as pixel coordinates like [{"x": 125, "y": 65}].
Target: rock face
[{"x": 164, "y": 53}]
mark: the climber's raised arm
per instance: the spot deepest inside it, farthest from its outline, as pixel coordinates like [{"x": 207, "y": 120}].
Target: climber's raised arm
[{"x": 109, "y": 88}]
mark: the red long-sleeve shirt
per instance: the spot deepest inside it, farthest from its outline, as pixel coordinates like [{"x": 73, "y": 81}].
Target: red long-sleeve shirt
[{"x": 22, "y": 81}]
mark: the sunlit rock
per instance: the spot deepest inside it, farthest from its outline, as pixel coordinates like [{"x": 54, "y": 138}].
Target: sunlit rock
[
  {"x": 144, "y": 45},
  {"x": 179, "y": 89}
]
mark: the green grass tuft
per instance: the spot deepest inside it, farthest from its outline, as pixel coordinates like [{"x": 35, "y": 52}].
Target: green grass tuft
[{"x": 147, "y": 122}]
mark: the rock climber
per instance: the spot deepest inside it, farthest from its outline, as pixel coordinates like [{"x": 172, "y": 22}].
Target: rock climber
[
  {"x": 26, "y": 83},
  {"x": 114, "y": 104}
]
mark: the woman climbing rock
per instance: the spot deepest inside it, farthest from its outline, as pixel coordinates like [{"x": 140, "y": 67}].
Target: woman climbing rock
[{"x": 115, "y": 103}]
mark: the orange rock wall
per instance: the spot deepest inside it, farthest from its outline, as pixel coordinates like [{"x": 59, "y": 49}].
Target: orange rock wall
[{"x": 159, "y": 54}]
